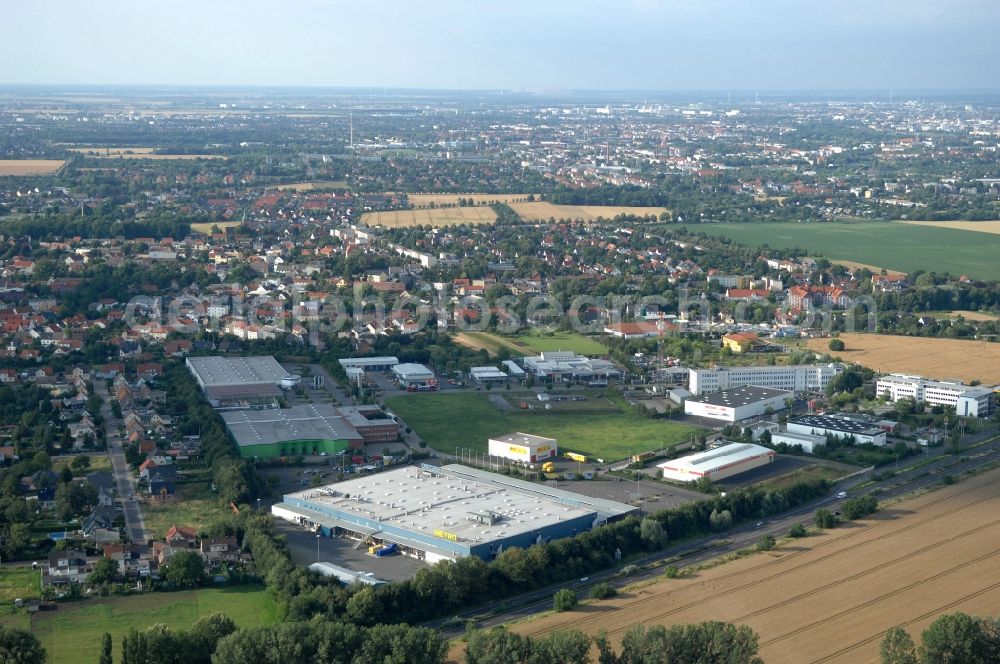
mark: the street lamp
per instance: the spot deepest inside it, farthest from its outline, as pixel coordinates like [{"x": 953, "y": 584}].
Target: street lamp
[
  {"x": 317, "y": 546},
  {"x": 258, "y": 504}
]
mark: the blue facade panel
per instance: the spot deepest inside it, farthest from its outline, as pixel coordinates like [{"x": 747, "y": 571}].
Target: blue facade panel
[{"x": 484, "y": 550}]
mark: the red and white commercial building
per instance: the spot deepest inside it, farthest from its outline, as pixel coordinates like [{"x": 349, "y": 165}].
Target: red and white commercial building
[{"x": 717, "y": 464}]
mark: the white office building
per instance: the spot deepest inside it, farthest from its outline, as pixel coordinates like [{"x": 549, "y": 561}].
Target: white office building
[
  {"x": 862, "y": 430},
  {"x": 967, "y": 400},
  {"x": 797, "y": 378},
  {"x": 808, "y": 442},
  {"x": 737, "y": 404}
]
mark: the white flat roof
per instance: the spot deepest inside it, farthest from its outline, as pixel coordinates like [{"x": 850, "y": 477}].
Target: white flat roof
[
  {"x": 416, "y": 500},
  {"x": 803, "y": 437},
  {"x": 411, "y": 370},
  {"x": 346, "y": 575},
  {"x": 487, "y": 372},
  {"x": 713, "y": 460},
  {"x": 513, "y": 368},
  {"x": 527, "y": 439},
  {"x": 368, "y": 361}
]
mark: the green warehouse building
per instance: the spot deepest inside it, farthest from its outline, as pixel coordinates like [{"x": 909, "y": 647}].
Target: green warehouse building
[{"x": 299, "y": 430}]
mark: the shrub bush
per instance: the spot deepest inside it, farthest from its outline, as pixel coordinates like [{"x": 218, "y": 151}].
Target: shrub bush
[
  {"x": 564, "y": 600},
  {"x": 602, "y": 591}
]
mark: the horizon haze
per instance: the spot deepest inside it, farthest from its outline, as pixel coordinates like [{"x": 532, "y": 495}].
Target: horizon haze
[{"x": 444, "y": 44}]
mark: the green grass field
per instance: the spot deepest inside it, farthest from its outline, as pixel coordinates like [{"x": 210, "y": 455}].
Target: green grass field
[
  {"x": 72, "y": 633},
  {"x": 812, "y": 472},
  {"x": 604, "y": 427},
  {"x": 98, "y": 461},
  {"x": 893, "y": 246},
  {"x": 198, "y": 506},
  {"x": 534, "y": 342},
  {"x": 18, "y": 582}
]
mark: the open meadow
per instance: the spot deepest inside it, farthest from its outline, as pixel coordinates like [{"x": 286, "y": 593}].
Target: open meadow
[
  {"x": 830, "y": 597},
  {"x": 895, "y": 246},
  {"x": 197, "y": 508},
  {"x": 29, "y": 166},
  {"x": 452, "y": 216},
  {"x": 543, "y": 211},
  {"x": 424, "y": 200},
  {"x": 20, "y": 581},
  {"x": 933, "y": 358},
  {"x": 854, "y": 265},
  {"x": 72, "y": 633},
  {"x": 602, "y": 427},
  {"x": 531, "y": 343}
]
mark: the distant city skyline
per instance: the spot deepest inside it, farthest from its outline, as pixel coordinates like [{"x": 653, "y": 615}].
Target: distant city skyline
[{"x": 654, "y": 45}]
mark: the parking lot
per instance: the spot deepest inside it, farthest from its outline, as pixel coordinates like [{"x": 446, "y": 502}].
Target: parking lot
[{"x": 302, "y": 547}]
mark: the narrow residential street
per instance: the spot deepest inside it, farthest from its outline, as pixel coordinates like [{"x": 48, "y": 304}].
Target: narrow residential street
[{"x": 135, "y": 528}]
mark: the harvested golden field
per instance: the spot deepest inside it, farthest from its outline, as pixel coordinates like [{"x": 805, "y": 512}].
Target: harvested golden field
[
  {"x": 977, "y": 226},
  {"x": 854, "y": 265},
  {"x": 159, "y": 157},
  {"x": 423, "y": 200},
  {"x": 932, "y": 358},
  {"x": 831, "y": 597},
  {"x": 205, "y": 227},
  {"x": 101, "y": 151},
  {"x": 29, "y": 166},
  {"x": 973, "y": 315},
  {"x": 313, "y": 186},
  {"x": 433, "y": 217},
  {"x": 543, "y": 211}
]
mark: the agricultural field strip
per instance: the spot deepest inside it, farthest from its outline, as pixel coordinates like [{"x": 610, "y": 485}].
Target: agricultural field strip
[
  {"x": 914, "y": 246},
  {"x": 964, "y": 564},
  {"x": 933, "y": 613},
  {"x": 865, "y": 531}
]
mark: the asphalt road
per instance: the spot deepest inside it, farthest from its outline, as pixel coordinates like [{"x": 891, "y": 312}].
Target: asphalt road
[
  {"x": 135, "y": 527},
  {"x": 706, "y": 548}
]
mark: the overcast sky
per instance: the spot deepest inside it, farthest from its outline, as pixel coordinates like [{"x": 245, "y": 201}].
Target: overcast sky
[{"x": 482, "y": 44}]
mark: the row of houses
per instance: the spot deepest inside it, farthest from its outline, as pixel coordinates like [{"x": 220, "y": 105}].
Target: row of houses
[{"x": 145, "y": 560}]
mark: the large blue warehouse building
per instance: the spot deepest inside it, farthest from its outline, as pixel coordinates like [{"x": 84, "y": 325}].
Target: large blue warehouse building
[{"x": 446, "y": 513}]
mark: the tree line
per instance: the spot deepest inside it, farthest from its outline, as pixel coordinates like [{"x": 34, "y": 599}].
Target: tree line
[
  {"x": 452, "y": 586},
  {"x": 235, "y": 478},
  {"x": 955, "y": 638},
  {"x": 708, "y": 643}
]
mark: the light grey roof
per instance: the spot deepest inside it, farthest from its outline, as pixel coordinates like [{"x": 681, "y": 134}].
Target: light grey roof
[
  {"x": 303, "y": 422},
  {"x": 420, "y": 501},
  {"x": 212, "y": 371},
  {"x": 248, "y": 391},
  {"x": 411, "y": 371},
  {"x": 740, "y": 396}
]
